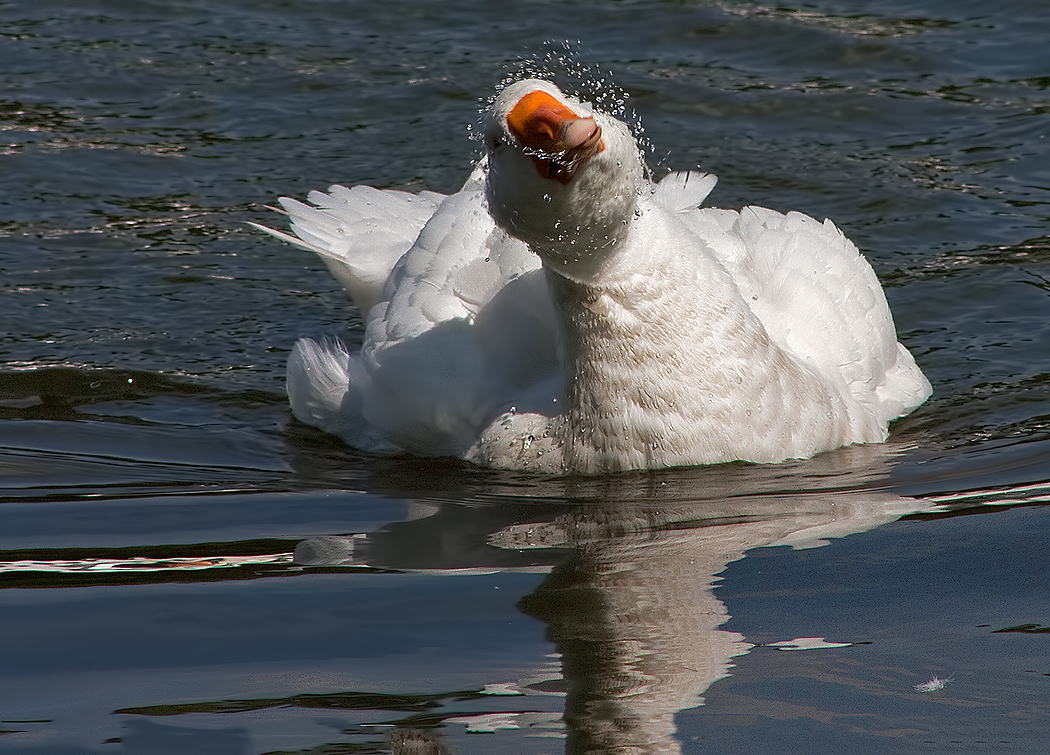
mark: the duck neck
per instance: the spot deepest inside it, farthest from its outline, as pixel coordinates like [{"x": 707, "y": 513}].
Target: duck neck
[
  {"x": 614, "y": 334},
  {"x": 585, "y": 251},
  {"x": 622, "y": 329},
  {"x": 652, "y": 348}
]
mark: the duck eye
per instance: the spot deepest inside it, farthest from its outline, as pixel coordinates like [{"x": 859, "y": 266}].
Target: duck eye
[{"x": 497, "y": 142}]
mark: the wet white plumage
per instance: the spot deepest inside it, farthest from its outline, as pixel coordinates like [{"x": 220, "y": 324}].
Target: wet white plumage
[{"x": 583, "y": 319}]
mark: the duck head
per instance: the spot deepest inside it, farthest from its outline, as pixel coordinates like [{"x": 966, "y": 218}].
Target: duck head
[{"x": 562, "y": 177}]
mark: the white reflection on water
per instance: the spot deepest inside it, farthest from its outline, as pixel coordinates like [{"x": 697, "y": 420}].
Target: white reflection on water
[
  {"x": 631, "y": 609},
  {"x": 628, "y": 599}
]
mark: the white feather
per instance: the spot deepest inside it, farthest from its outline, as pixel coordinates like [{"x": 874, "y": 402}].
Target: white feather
[
  {"x": 359, "y": 233},
  {"x": 684, "y": 191},
  {"x": 934, "y": 685}
]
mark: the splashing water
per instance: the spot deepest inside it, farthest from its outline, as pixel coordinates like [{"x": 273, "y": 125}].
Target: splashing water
[{"x": 562, "y": 64}]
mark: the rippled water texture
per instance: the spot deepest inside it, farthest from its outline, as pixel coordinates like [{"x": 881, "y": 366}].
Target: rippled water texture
[{"x": 155, "y": 489}]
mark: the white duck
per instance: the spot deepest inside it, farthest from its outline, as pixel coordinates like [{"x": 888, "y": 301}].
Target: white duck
[{"x": 562, "y": 313}]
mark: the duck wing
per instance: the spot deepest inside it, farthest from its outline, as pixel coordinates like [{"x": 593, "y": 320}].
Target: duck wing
[
  {"x": 464, "y": 328},
  {"x": 819, "y": 300},
  {"x": 358, "y": 233}
]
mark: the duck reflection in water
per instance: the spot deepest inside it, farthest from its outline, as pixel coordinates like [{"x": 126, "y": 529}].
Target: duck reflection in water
[{"x": 628, "y": 601}]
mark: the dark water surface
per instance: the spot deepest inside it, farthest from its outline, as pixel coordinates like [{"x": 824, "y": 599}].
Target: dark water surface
[{"x": 154, "y": 486}]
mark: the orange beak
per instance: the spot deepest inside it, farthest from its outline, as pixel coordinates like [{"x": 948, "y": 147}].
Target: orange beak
[{"x": 561, "y": 139}]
